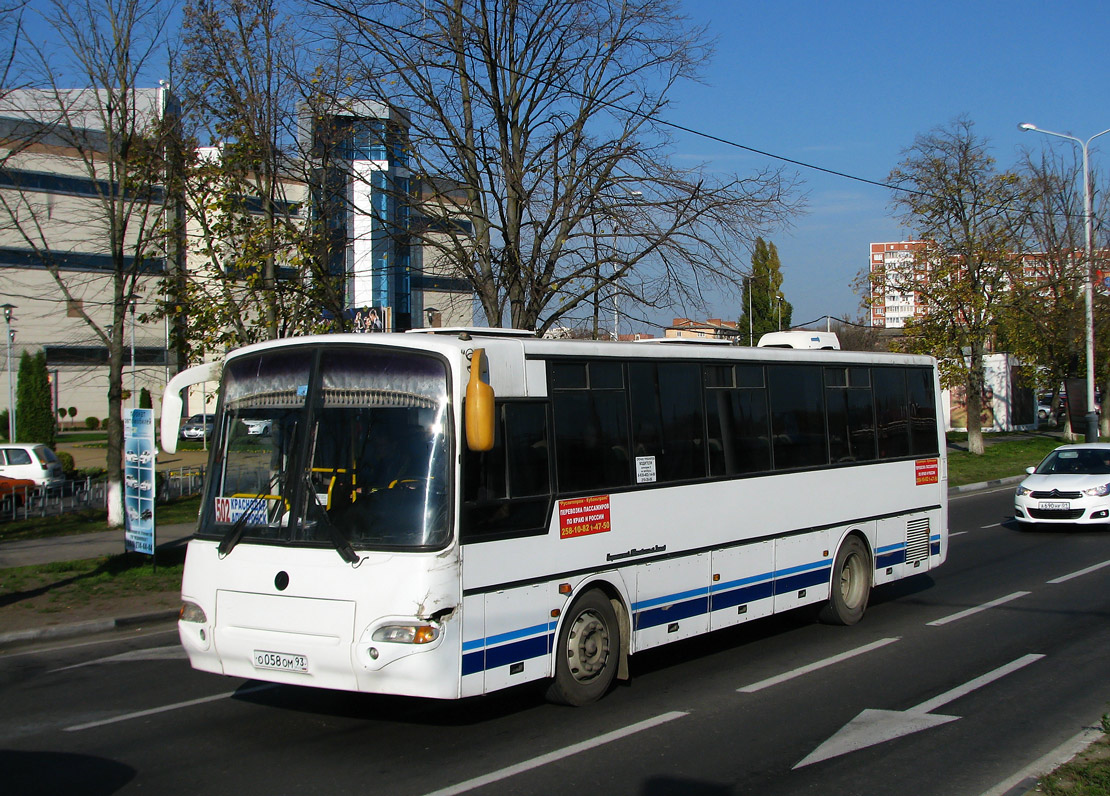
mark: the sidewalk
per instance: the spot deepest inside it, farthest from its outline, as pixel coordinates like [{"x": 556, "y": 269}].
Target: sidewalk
[{"x": 49, "y": 550}]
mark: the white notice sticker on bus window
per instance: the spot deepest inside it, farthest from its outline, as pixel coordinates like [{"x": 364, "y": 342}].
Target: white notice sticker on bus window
[{"x": 645, "y": 469}]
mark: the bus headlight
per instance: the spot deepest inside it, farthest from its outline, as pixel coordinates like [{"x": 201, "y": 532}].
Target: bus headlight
[
  {"x": 191, "y": 612},
  {"x": 1098, "y": 491},
  {"x": 407, "y": 634}
]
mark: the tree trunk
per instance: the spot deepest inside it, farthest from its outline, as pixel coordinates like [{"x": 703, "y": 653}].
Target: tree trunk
[
  {"x": 114, "y": 462},
  {"x": 975, "y": 400}
]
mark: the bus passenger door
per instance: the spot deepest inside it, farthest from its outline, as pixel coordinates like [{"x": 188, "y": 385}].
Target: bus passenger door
[
  {"x": 743, "y": 584},
  {"x": 672, "y": 600}
]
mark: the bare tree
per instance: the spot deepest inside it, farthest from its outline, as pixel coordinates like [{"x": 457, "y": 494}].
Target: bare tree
[
  {"x": 545, "y": 114},
  {"x": 953, "y": 196},
  {"x": 113, "y": 136},
  {"x": 11, "y": 31}
]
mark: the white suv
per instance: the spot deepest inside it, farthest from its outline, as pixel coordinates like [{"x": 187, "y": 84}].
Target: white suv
[{"x": 30, "y": 460}]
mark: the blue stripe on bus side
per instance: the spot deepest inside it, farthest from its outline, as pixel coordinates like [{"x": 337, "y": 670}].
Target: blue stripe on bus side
[
  {"x": 671, "y": 612},
  {"x": 746, "y": 594},
  {"x": 890, "y": 555},
  {"x": 493, "y": 656},
  {"x": 803, "y": 580},
  {"x": 488, "y": 653}
]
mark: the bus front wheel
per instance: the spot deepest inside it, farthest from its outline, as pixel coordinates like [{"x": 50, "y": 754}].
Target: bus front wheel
[
  {"x": 587, "y": 652},
  {"x": 851, "y": 584}
]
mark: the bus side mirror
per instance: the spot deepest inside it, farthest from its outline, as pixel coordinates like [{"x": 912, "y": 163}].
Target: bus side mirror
[
  {"x": 479, "y": 405},
  {"x": 172, "y": 403}
]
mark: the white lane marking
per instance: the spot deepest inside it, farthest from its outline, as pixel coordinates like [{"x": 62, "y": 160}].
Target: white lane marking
[
  {"x": 873, "y": 727},
  {"x": 1049, "y": 762},
  {"x": 957, "y": 533},
  {"x": 1080, "y": 573},
  {"x": 559, "y": 754},
  {"x": 994, "y": 525},
  {"x": 113, "y": 640},
  {"x": 166, "y": 708},
  {"x": 812, "y": 667},
  {"x": 984, "y": 607},
  {"x": 174, "y": 652}
]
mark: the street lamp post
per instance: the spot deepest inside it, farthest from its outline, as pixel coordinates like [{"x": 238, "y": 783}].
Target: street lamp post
[
  {"x": 634, "y": 196},
  {"x": 11, "y": 391},
  {"x": 134, "y": 395},
  {"x": 1088, "y": 281},
  {"x": 751, "y": 326}
]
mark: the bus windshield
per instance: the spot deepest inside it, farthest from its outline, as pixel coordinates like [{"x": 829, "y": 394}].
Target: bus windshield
[{"x": 339, "y": 446}]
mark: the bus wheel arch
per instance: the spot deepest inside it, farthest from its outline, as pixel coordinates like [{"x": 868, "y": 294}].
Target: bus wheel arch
[
  {"x": 591, "y": 647},
  {"x": 850, "y": 583}
]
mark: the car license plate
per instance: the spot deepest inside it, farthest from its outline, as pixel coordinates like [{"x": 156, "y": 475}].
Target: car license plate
[
  {"x": 282, "y": 661},
  {"x": 1054, "y": 505}
]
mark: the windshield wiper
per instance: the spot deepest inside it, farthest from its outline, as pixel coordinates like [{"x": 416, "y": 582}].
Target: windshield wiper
[
  {"x": 342, "y": 546},
  {"x": 235, "y": 533}
]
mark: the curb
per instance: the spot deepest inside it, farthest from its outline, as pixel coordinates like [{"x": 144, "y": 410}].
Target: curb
[
  {"x": 90, "y": 627},
  {"x": 1013, "y": 479}
]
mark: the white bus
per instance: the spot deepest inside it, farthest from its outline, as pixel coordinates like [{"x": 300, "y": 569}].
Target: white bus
[{"x": 444, "y": 515}]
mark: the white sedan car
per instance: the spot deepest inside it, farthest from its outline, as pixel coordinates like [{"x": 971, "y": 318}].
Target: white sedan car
[{"x": 1071, "y": 486}]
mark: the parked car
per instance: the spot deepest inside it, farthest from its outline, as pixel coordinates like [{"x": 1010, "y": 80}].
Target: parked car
[
  {"x": 1071, "y": 486},
  {"x": 257, "y": 428},
  {"x": 198, "y": 427},
  {"x": 31, "y": 460},
  {"x": 13, "y": 492}
]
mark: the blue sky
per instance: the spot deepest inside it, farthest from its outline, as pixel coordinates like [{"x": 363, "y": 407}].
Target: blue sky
[{"x": 848, "y": 85}]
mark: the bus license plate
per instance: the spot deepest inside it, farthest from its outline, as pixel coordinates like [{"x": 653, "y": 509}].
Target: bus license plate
[
  {"x": 282, "y": 661},
  {"x": 1054, "y": 505}
]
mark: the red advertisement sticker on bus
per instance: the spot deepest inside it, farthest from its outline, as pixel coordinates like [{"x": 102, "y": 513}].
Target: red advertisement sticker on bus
[
  {"x": 583, "y": 516},
  {"x": 928, "y": 471}
]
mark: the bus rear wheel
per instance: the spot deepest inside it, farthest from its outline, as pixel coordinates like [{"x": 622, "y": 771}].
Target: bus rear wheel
[
  {"x": 851, "y": 584},
  {"x": 587, "y": 651}
]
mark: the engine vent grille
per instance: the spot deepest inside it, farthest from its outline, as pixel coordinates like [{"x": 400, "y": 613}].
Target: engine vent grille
[{"x": 917, "y": 539}]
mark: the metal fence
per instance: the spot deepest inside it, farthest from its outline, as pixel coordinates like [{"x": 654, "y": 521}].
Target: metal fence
[{"x": 90, "y": 493}]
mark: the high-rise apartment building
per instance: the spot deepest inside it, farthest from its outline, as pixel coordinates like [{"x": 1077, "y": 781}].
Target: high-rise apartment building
[{"x": 896, "y": 271}]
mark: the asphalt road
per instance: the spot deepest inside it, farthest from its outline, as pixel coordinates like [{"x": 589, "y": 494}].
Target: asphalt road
[{"x": 954, "y": 683}]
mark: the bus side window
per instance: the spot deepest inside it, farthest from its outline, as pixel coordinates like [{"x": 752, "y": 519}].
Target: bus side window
[
  {"x": 591, "y": 427},
  {"x": 891, "y": 412},
  {"x": 667, "y": 418},
  {"x": 507, "y": 489},
  {"x": 738, "y": 419},
  {"x": 923, "y": 412},
  {"x": 797, "y": 401}
]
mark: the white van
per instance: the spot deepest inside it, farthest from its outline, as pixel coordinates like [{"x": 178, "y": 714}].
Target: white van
[
  {"x": 31, "y": 460},
  {"x": 800, "y": 339}
]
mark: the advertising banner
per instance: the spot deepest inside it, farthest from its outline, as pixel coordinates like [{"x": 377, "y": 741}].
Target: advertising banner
[{"x": 138, "y": 480}]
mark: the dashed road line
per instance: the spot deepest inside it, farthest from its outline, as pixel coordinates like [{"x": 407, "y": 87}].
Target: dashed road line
[
  {"x": 559, "y": 754},
  {"x": 816, "y": 665},
  {"x": 979, "y": 608},
  {"x": 167, "y": 708}
]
